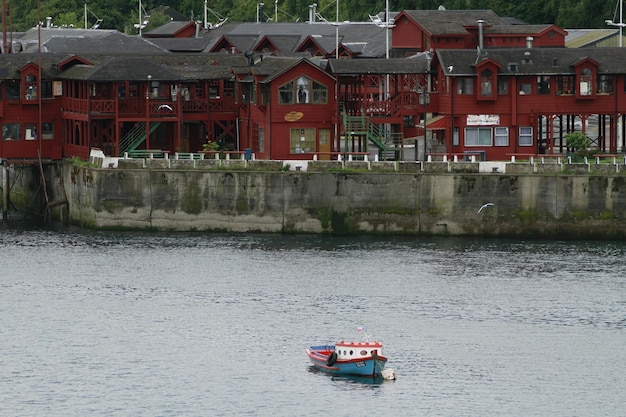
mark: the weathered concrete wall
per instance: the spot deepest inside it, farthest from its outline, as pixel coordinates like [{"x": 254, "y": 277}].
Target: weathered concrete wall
[{"x": 536, "y": 205}]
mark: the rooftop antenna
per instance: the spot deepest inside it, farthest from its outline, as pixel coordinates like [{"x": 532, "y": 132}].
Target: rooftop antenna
[
  {"x": 98, "y": 20},
  {"x": 142, "y": 23}
]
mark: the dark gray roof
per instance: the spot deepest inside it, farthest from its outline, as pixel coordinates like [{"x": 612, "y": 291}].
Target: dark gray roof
[
  {"x": 366, "y": 39},
  {"x": 10, "y": 64},
  {"x": 195, "y": 45},
  {"x": 168, "y": 29},
  {"x": 164, "y": 67},
  {"x": 517, "y": 29},
  {"x": 77, "y": 41},
  {"x": 104, "y": 68},
  {"x": 378, "y": 66},
  {"x": 533, "y": 61},
  {"x": 442, "y": 22}
]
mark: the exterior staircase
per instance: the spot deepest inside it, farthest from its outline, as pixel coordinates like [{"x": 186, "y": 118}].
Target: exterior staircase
[
  {"x": 136, "y": 136},
  {"x": 361, "y": 126}
]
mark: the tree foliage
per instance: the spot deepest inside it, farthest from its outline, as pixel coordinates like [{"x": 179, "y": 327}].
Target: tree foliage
[{"x": 123, "y": 14}]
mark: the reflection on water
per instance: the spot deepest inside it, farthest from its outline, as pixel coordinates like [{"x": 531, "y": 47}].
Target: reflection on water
[{"x": 104, "y": 323}]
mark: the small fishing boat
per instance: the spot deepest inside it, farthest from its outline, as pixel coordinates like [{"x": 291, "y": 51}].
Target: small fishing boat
[{"x": 350, "y": 358}]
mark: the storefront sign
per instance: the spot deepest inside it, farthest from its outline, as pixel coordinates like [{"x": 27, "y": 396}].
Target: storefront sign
[
  {"x": 294, "y": 116},
  {"x": 482, "y": 119}
]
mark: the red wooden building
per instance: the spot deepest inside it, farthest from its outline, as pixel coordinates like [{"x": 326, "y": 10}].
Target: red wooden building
[
  {"x": 522, "y": 97},
  {"x": 287, "y": 109}
]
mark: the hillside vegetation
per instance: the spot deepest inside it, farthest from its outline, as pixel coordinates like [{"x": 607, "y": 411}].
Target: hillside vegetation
[{"x": 123, "y": 14}]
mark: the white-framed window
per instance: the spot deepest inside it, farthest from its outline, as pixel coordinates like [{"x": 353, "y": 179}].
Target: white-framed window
[
  {"x": 586, "y": 82},
  {"x": 501, "y": 136},
  {"x": 302, "y": 140},
  {"x": 478, "y": 136},
  {"x": 303, "y": 90},
  {"x": 486, "y": 83},
  {"x": 526, "y": 136}
]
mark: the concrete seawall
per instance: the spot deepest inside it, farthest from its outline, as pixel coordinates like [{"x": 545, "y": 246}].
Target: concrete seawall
[{"x": 533, "y": 205}]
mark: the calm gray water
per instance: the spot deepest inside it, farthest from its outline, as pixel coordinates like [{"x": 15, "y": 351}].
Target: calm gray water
[{"x": 132, "y": 324}]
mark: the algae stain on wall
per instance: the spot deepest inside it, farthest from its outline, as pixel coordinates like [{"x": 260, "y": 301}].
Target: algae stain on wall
[{"x": 191, "y": 202}]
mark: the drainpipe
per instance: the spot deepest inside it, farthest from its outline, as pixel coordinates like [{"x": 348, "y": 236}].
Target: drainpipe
[{"x": 5, "y": 190}]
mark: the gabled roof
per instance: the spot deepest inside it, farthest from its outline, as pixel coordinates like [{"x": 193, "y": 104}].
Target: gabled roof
[
  {"x": 241, "y": 43},
  {"x": 284, "y": 44},
  {"x": 368, "y": 40},
  {"x": 451, "y": 22}
]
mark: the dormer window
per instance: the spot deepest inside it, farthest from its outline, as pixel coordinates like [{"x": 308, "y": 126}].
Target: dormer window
[
  {"x": 486, "y": 83},
  {"x": 586, "y": 82},
  {"x": 30, "y": 87}
]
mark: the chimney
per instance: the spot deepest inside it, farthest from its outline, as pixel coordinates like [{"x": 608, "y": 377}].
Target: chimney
[
  {"x": 480, "y": 34},
  {"x": 49, "y": 21},
  {"x": 312, "y": 10},
  {"x": 529, "y": 42}
]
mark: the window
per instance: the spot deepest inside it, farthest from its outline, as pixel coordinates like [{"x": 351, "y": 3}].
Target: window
[
  {"x": 302, "y": 140},
  {"x": 543, "y": 84},
  {"x": 525, "y": 88},
  {"x": 408, "y": 121},
  {"x": 503, "y": 86},
  {"x": 478, "y": 136},
  {"x": 303, "y": 90},
  {"x": 265, "y": 95},
  {"x": 486, "y": 83},
  {"x": 565, "y": 85},
  {"x": 501, "y": 136},
  {"x": 31, "y": 131},
  {"x": 285, "y": 94},
  {"x": 46, "y": 89},
  {"x": 11, "y": 131},
  {"x": 605, "y": 84},
  {"x": 586, "y": 82},
  {"x": 465, "y": 86},
  {"x": 320, "y": 93},
  {"x": 214, "y": 89},
  {"x": 455, "y": 137},
  {"x": 30, "y": 87},
  {"x": 47, "y": 130},
  {"x": 248, "y": 93},
  {"x": 525, "y": 136}
]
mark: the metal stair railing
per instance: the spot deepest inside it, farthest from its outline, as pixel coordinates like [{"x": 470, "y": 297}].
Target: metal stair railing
[{"x": 136, "y": 136}]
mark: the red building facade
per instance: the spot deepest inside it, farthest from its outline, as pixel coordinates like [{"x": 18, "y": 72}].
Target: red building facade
[{"x": 477, "y": 84}]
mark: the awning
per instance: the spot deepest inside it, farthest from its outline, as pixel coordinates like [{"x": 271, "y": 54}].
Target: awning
[{"x": 436, "y": 123}]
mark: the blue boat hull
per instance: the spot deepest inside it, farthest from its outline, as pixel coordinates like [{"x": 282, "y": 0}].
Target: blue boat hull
[{"x": 370, "y": 367}]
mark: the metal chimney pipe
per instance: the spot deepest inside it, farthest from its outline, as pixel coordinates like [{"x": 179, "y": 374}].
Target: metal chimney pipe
[{"x": 480, "y": 34}]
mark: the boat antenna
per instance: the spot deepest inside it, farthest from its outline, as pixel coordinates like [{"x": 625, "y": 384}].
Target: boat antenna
[{"x": 362, "y": 329}]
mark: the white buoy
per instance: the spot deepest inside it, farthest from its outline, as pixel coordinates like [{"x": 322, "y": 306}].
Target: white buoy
[{"x": 388, "y": 374}]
